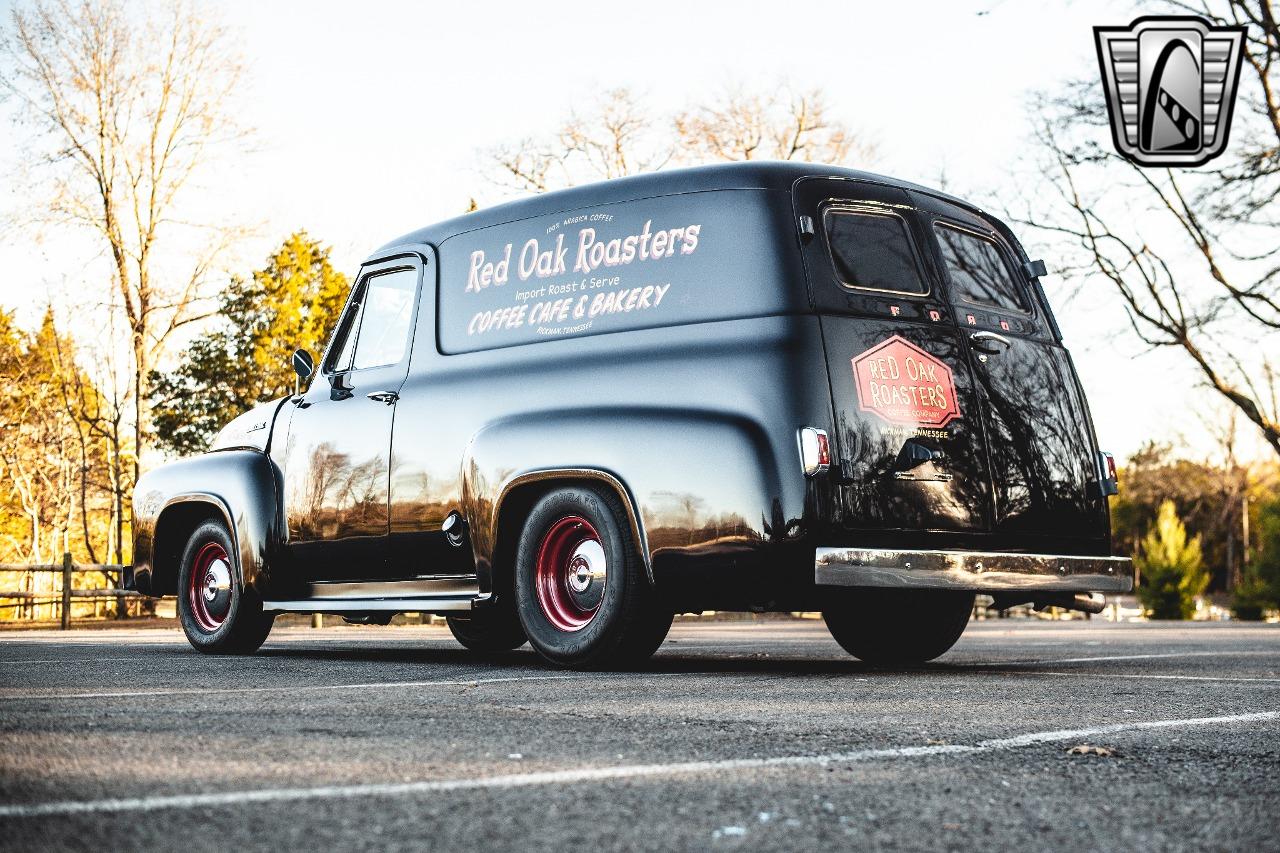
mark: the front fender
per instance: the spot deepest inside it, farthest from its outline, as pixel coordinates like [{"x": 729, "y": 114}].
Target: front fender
[
  {"x": 241, "y": 488},
  {"x": 697, "y": 479}
]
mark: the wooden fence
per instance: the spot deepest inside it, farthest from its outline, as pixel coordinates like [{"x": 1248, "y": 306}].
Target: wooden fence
[{"x": 66, "y": 592}]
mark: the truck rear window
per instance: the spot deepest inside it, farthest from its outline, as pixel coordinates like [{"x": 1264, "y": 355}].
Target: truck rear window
[
  {"x": 977, "y": 270},
  {"x": 872, "y": 251}
]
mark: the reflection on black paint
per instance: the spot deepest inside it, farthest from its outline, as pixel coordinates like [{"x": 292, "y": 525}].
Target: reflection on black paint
[
  {"x": 1039, "y": 447},
  {"x": 339, "y": 498},
  {"x": 951, "y": 493}
]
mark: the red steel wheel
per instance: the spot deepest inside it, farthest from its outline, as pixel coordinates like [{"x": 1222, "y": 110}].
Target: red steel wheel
[
  {"x": 571, "y": 573},
  {"x": 209, "y": 587}
]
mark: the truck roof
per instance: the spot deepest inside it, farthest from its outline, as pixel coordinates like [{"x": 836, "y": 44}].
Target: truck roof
[{"x": 751, "y": 175}]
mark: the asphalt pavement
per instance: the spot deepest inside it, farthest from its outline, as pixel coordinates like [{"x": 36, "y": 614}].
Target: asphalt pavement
[{"x": 738, "y": 735}]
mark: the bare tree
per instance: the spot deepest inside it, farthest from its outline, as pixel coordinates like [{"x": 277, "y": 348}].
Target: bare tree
[
  {"x": 524, "y": 166},
  {"x": 1193, "y": 254},
  {"x": 612, "y": 138},
  {"x": 617, "y": 139},
  {"x": 125, "y": 106},
  {"x": 620, "y": 135},
  {"x": 787, "y": 125}
]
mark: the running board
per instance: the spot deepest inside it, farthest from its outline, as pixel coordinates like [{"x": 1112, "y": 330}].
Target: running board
[
  {"x": 448, "y": 593},
  {"x": 432, "y": 604}
]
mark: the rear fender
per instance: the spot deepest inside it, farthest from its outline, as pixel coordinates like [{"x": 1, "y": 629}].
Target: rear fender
[{"x": 681, "y": 473}]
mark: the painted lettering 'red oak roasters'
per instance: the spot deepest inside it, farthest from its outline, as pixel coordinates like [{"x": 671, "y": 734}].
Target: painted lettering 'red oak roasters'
[{"x": 905, "y": 385}]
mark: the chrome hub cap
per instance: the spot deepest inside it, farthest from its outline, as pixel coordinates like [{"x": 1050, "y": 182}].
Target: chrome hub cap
[
  {"x": 587, "y": 574},
  {"x": 571, "y": 573},
  {"x": 209, "y": 590}
]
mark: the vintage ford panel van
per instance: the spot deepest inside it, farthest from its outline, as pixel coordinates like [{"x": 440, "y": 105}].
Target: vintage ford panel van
[{"x": 768, "y": 387}]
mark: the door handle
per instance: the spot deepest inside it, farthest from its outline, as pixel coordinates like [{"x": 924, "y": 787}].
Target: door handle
[
  {"x": 990, "y": 342},
  {"x": 387, "y": 397}
]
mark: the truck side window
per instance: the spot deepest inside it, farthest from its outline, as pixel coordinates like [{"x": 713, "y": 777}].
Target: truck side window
[
  {"x": 872, "y": 251},
  {"x": 977, "y": 270},
  {"x": 384, "y": 321},
  {"x": 375, "y": 330}
]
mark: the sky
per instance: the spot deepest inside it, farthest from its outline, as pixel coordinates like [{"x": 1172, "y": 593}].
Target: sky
[{"x": 370, "y": 118}]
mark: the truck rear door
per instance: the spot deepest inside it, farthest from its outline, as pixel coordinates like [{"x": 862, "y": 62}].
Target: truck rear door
[
  {"x": 1040, "y": 442},
  {"x": 909, "y": 434}
]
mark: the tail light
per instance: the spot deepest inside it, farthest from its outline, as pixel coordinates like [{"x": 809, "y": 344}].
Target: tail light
[
  {"x": 815, "y": 451},
  {"x": 1110, "y": 480}
]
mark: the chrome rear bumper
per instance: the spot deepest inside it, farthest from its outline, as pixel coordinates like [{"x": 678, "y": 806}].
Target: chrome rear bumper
[{"x": 971, "y": 570}]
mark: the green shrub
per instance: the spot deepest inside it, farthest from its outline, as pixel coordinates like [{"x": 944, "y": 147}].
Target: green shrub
[
  {"x": 1251, "y": 598},
  {"x": 1263, "y": 573},
  {"x": 1172, "y": 568}
]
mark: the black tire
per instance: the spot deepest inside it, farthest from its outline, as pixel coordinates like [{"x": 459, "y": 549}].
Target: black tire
[
  {"x": 628, "y": 623},
  {"x": 489, "y": 631},
  {"x": 229, "y": 619},
  {"x": 891, "y": 627}
]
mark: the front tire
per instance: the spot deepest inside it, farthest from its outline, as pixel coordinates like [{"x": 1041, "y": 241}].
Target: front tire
[
  {"x": 581, "y": 590},
  {"x": 891, "y": 627},
  {"x": 218, "y": 615}
]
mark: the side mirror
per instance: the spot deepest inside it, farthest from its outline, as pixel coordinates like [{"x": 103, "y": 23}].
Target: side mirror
[
  {"x": 1035, "y": 269},
  {"x": 303, "y": 364}
]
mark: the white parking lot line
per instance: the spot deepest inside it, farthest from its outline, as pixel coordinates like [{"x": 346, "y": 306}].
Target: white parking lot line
[
  {"x": 598, "y": 774},
  {"x": 135, "y": 658},
  {"x": 1122, "y": 676},
  {"x": 1154, "y": 656},
  {"x": 305, "y": 688},
  {"x": 1225, "y": 653}
]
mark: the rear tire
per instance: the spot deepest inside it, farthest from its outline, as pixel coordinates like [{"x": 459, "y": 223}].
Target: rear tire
[
  {"x": 489, "y": 631},
  {"x": 582, "y": 593},
  {"x": 892, "y": 627},
  {"x": 218, "y": 615}
]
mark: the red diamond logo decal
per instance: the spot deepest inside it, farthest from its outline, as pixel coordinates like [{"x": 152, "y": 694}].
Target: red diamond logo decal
[{"x": 905, "y": 385}]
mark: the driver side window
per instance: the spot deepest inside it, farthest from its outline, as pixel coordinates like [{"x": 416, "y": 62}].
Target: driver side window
[{"x": 376, "y": 332}]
